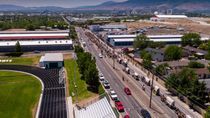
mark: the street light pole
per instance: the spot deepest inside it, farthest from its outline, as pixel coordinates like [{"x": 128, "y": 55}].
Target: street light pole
[
  {"x": 75, "y": 85},
  {"x": 113, "y": 57},
  {"x": 150, "y": 100}
]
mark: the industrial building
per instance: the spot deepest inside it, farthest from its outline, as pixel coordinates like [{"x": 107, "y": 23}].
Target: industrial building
[
  {"x": 51, "y": 60},
  {"x": 171, "y": 16},
  {"x": 162, "y": 17},
  {"x": 96, "y": 28},
  {"x": 127, "y": 40},
  {"x": 35, "y": 40}
]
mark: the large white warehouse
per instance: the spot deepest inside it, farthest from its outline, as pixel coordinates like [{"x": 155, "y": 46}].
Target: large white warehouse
[{"x": 127, "y": 40}]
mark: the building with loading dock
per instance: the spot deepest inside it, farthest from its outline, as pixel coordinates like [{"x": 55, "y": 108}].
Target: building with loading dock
[{"x": 51, "y": 60}]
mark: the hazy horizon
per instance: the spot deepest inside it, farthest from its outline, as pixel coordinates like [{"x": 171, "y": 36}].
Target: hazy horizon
[{"x": 59, "y": 3}]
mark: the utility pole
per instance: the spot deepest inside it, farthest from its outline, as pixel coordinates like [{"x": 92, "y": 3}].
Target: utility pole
[
  {"x": 113, "y": 57},
  {"x": 150, "y": 100}
]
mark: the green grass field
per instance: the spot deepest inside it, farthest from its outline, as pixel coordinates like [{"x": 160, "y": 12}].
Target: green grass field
[
  {"x": 82, "y": 91},
  {"x": 23, "y": 60},
  {"x": 19, "y": 94}
]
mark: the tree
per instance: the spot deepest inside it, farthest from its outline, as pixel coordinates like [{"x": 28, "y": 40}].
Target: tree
[
  {"x": 153, "y": 44},
  {"x": 207, "y": 114},
  {"x": 141, "y": 42},
  {"x": 147, "y": 59},
  {"x": 194, "y": 64},
  {"x": 17, "y": 47},
  {"x": 83, "y": 61},
  {"x": 173, "y": 53},
  {"x": 30, "y": 27},
  {"x": 192, "y": 39},
  {"x": 162, "y": 69},
  {"x": 186, "y": 82},
  {"x": 91, "y": 77},
  {"x": 78, "y": 49}
]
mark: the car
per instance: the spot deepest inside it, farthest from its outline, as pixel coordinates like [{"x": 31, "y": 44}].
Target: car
[
  {"x": 145, "y": 113},
  {"x": 113, "y": 95},
  {"x": 101, "y": 77},
  {"x": 127, "y": 91},
  {"x": 100, "y": 55},
  {"x": 37, "y": 51},
  {"x": 119, "y": 106},
  {"x": 106, "y": 84},
  {"x": 126, "y": 116}
]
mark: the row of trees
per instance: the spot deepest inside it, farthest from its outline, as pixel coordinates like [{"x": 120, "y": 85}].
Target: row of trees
[
  {"x": 142, "y": 41},
  {"x": 73, "y": 33},
  {"x": 186, "y": 83},
  {"x": 32, "y": 22},
  {"x": 88, "y": 69},
  {"x": 191, "y": 39}
]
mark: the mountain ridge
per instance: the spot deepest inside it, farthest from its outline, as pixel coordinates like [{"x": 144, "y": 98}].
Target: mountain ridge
[{"x": 155, "y": 4}]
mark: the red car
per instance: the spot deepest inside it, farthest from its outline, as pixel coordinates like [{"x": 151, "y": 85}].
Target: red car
[
  {"x": 127, "y": 91},
  {"x": 127, "y": 116},
  {"x": 119, "y": 106}
]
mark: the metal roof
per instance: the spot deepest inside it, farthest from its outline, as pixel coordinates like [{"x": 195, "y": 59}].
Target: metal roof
[
  {"x": 113, "y": 27},
  {"x": 171, "y": 16},
  {"x": 52, "y": 57},
  {"x": 149, "y": 36},
  {"x": 33, "y": 36},
  {"x": 33, "y": 32},
  {"x": 36, "y": 42},
  {"x": 155, "y": 40},
  {"x": 100, "y": 109}
]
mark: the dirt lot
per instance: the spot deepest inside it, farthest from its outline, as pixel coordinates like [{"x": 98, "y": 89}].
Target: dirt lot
[{"x": 199, "y": 25}]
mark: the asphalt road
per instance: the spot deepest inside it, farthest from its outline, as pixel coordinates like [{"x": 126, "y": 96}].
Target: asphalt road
[
  {"x": 129, "y": 102},
  {"x": 182, "y": 106}
]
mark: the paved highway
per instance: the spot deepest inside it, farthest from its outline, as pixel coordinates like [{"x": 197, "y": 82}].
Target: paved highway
[
  {"x": 182, "y": 106},
  {"x": 131, "y": 105},
  {"x": 115, "y": 77}
]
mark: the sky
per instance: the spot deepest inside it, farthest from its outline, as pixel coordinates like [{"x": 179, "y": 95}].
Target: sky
[{"x": 60, "y": 3}]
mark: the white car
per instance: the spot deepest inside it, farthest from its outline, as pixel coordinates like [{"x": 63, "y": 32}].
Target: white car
[
  {"x": 101, "y": 77},
  {"x": 106, "y": 84},
  {"x": 100, "y": 55},
  {"x": 113, "y": 95}
]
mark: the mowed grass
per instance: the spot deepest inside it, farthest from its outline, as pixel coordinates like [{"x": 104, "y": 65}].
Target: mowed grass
[
  {"x": 19, "y": 95},
  {"x": 82, "y": 91},
  {"x": 33, "y": 60}
]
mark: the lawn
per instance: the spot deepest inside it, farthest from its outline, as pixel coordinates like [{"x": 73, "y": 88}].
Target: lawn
[
  {"x": 22, "y": 60},
  {"x": 19, "y": 95},
  {"x": 82, "y": 91}
]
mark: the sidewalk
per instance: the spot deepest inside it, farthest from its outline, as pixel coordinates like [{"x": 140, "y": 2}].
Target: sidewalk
[{"x": 70, "y": 106}]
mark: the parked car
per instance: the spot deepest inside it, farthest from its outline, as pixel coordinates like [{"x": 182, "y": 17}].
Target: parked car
[
  {"x": 127, "y": 116},
  {"x": 119, "y": 106},
  {"x": 127, "y": 91},
  {"x": 106, "y": 84},
  {"x": 136, "y": 76},
  {"x": 113, "y": 95},
  {"x": 145, "y": 113},
  {"x": 100, "y": 55},
  {"x": 101, "y": 77}
]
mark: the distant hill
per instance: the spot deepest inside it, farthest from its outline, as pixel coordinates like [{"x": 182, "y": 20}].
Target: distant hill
[
  {"x": 182, "y": 5},
  {"x": 187, "y": 5},
  {"x": 7, "y": 7}
]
